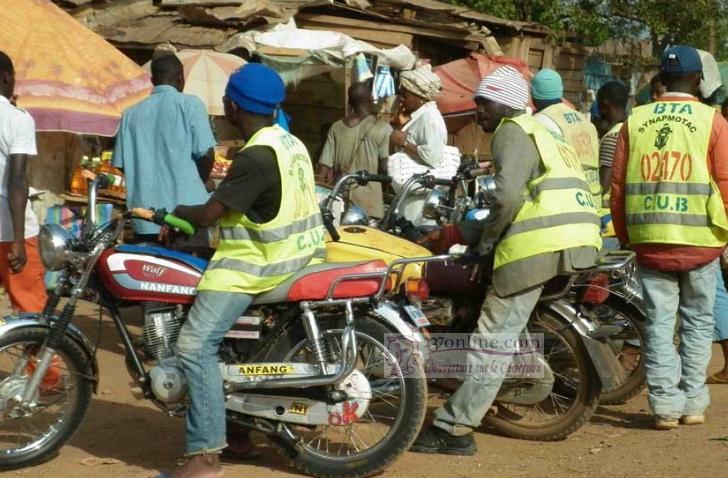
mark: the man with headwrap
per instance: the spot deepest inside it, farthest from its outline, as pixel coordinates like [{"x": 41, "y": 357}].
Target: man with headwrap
[
  {"x": 270, "y": 187},
  {"x": 542, "y": 224}
]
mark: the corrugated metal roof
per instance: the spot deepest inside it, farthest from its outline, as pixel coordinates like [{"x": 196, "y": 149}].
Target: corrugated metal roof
[{"x": 209, "y": 23}]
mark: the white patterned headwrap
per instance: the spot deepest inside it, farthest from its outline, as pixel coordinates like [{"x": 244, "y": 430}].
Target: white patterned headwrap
[
  {"x": 422, "y": 82},
  {"x": 505, "y": 85}
]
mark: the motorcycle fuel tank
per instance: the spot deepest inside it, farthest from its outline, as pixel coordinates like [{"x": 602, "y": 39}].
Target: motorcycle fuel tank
[{"x": 135, "y": 276}]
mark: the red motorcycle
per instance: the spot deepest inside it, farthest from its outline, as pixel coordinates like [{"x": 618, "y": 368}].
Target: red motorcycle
[{"x": 307, "y": 365}]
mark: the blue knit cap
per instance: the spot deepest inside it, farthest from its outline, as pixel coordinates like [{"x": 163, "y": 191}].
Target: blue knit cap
[
  {"x": 256, "y": 88},
  {"x": 547, "y": 85}
]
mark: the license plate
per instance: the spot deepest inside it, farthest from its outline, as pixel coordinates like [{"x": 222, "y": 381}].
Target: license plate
[{"x": 417, "y": 316}]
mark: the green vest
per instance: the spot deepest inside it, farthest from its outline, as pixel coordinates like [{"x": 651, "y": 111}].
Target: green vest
[
  {"x": 670, "y": 196},
  {"x": 558, "y": 210},
  {"x": 581, "y": 134},
  {"x": 252, "y": 258}
]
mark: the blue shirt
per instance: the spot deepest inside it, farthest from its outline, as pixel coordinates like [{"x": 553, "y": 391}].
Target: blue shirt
[{"x": 159, "y": 142}]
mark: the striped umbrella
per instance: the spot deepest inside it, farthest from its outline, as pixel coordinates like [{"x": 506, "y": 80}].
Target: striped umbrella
[
  {"x": 206, "y": 75},
  {"x": 67, "y": 77}
]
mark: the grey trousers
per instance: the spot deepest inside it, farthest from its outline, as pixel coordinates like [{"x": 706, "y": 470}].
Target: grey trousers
[{"x": 506, "y": 316}]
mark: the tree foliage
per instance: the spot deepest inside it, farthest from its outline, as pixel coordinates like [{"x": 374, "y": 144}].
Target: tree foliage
[{"x": 592, "y": 22}]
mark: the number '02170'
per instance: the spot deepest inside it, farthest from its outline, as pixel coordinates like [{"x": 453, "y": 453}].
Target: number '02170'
[{"x": 666, "y": 166}]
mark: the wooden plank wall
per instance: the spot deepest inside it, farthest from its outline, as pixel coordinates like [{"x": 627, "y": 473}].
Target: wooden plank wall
[{"x": 314, "y": 105}]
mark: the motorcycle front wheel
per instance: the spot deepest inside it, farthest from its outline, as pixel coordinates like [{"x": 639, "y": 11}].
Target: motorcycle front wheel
[
  {"x": 31, "y": 436},
  {"x": 391, "y": 423},
  {"x": 573, "y": 398}
]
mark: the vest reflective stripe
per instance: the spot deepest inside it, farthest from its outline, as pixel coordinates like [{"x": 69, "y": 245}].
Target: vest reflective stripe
[
  {"x": 237, "y": 233},
  {"x": 558, "y": 210},
  {"x": 268, "y": 270},
  {"x": 581, "y": 134},
  {"x": 670, "y": 196},
  {"x": 559, "y": 183},
  {"x": 253, "y": 257},
  {"x": 553, "y": 221},
  {"x": 667, "y": 188}
]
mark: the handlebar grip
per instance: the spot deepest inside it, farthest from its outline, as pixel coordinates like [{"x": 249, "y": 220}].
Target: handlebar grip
[
  {"x": 380, "y": 178},
  {"x": 442, "y": 182},
  {"x": 179, "y": 223},
  {"x": 332, "y": 231}
]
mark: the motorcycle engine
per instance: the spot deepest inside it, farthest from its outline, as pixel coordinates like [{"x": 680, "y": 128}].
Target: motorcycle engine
[
  {"x": 161, "y": 329},
  {"x": 168, "y": 381}
]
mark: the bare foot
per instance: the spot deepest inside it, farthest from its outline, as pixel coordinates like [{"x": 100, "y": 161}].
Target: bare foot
[{"x": 200, "y": 466}]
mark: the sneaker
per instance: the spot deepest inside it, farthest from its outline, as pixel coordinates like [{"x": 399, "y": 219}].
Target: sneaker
[
  {"x": 665, "y": 423},
  {"x": 436, "y": 440},
  {"x": 692, "y": 419}
]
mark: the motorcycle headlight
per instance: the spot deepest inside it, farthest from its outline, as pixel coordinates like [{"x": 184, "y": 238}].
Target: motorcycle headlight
[
  {"x": 435, "y": 198},
  {"x": 53, "y": 241},
  {"x": 355, "y": 216}
]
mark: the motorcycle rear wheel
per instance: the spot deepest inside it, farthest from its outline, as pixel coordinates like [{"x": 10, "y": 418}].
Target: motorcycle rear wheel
[
  {"x": 578, "y": 381},
  {"x": 412, "y": 393},
  {"x": 67, "y": 386},
  {"x": 634, "y": 362}
]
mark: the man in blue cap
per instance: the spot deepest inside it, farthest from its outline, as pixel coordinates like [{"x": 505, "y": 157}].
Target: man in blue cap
[
  {"x": 269, "y": 188},
  {"x": 547, "y": 89},
  {"x": 669, "y": 197}
]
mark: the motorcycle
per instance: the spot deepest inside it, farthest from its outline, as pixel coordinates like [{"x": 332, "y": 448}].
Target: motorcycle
[
  {"x": 577, "y": 359},
  {"x": 307, "y": 363}
]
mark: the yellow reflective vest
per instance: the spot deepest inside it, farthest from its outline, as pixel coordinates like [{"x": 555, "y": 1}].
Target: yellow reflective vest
[
  {"x": 558, "y": 211},
  {"x": 252, "y": 258},
  {"x": 670, "y": 196},
  {"x": 581, "y": 134}
]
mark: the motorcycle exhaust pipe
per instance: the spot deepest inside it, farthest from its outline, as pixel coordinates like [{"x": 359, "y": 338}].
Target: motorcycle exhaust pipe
[{"x": 347, "y": 366}]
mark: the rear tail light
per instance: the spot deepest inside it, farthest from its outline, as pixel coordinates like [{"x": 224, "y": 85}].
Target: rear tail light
[
  {"x": 597, "y": 292},
  {"x": 417, "y": 288}
]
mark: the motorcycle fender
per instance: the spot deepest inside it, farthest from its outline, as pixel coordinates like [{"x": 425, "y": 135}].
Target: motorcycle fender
[
  {"x": 632, "y": 297},
  {"x": 14, "y": 322},
  {"x": 391, "y": 315},
  {"x": 605, "y": 362}
]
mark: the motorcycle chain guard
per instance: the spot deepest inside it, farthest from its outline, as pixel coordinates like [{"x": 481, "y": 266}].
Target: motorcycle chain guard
[{"x": 305, "y": 411}]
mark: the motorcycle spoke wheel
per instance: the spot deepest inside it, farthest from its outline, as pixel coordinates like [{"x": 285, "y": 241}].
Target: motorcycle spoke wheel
[
  {"x": 30, "y": 434},
  {"x": 21, "y": 431},
  {"x": 369, "y": 432}
]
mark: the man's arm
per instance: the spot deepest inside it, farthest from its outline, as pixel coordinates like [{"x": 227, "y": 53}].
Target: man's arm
[
  {"x": 619, "y": 176},
  {"x": 515, "y": 158},
  {"x": 718, "y": 154},
  {"x": 205, "y": 164},
  {"x": 204, "y": 215},
  {"x": 326, "y": 160},
  {"x": 607, "y": 149},
  {"x": 17, "y": 200}
]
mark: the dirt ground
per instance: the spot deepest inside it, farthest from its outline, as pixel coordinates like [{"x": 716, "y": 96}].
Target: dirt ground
[{"x": 125, "y": 437}]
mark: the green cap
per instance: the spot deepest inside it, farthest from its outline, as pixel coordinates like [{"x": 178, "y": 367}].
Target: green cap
[{"x": 547, "y": 85}]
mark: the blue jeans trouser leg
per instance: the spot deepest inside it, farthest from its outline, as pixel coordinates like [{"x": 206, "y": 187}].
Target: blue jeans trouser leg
[
  {"x": 501, "y": 318},
  {"x": 210, "y": 318},
  {"x": 676, "y": 378},
  {"x": 720, "y": 331}
]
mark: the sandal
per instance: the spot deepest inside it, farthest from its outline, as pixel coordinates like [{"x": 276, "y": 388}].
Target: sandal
[{"x": 715, "y": 380}]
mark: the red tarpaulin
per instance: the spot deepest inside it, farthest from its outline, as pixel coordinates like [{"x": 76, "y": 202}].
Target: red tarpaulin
[{"x": 460, "y": 78}]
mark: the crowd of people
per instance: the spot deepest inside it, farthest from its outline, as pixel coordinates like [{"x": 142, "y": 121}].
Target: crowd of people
[{"x": 659, "y": 171}]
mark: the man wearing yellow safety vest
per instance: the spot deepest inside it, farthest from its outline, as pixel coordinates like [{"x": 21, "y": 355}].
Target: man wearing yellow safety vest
[
  {"x": 543, "y": 222},
  {"x": 668, "y": 199},
  {"x": 547, "y": 90},
  {"x": 270, "y": 227}
]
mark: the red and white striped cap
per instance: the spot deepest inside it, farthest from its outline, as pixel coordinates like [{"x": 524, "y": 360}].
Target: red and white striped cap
[{"x": 505, "y": 85}]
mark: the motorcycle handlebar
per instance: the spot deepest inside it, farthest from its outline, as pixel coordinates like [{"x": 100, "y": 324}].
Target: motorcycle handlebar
[
  {"x": 161, "y": 217},
  {"x": 377, "y": 178}
]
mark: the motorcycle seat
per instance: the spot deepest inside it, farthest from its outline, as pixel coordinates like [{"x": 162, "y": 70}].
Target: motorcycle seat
[
  {"x": 313, "y": 282},
  {"x": 158, "y": 251}
]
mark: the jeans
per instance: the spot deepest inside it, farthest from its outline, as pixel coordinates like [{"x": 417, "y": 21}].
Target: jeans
[
  {"x": 676, "y": 378},
  {"x": 465, "y": 409},
  {"x": 720, "y": 330},
  {"x": 210, "y": 318}
]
